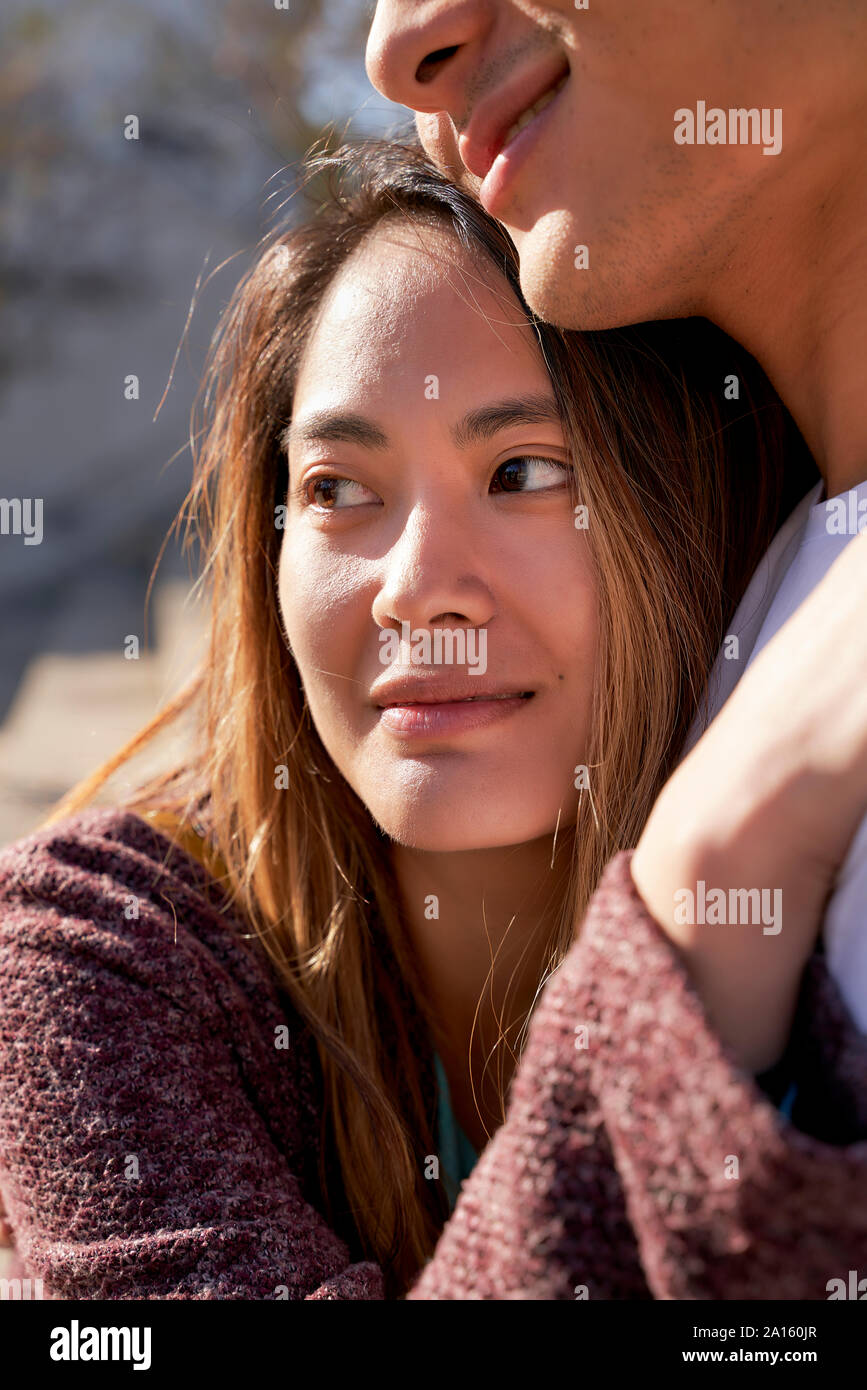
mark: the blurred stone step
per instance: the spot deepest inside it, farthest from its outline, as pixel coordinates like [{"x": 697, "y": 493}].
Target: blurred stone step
[{"x": 71, "y": 712}]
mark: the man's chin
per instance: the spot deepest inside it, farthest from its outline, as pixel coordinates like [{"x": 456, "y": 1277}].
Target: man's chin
[
  {"x": 560, "y": 289},
  {"x": 552, "y": 298}
]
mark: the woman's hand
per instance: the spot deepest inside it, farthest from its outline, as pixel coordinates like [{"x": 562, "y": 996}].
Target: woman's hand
[{"x": 770, "y": 798}]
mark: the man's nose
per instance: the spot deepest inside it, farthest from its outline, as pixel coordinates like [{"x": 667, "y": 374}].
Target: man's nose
[{"x": 419, "y": 51}]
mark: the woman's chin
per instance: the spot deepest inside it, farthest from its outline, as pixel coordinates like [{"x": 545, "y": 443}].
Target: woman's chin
[
  {"x": 446, "y": 840},
  {"x": 448, "y": 832},
  {"x": 422, "y": 809}
]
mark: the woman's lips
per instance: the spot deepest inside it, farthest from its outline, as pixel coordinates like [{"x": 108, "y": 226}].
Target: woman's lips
[
  {"x": 450, "y": 716},
  {"x": 497, "y": 183}
]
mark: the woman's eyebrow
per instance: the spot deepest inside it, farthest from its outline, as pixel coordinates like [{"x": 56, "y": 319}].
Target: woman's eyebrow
[
  {"x": 334, "y": 426},
  {"x": 477, "y": 425},
  {"x": 485, "y": 421}
]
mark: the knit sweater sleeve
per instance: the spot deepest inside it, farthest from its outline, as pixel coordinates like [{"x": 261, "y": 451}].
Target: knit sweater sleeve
[
  {"x": 153, "y": 1137},
  {"x": 637, "y": 1160}
]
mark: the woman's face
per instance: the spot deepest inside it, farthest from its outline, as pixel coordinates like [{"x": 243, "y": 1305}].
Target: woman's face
[{"x": 429, "y": 503}]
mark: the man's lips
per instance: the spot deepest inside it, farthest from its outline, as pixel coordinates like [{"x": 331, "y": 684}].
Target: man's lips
[{"x": 496, "y": 122}]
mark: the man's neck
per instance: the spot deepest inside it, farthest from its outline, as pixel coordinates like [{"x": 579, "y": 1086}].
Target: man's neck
[
  {"x": 794, "y": 294},
  {"x": 460, "y": 910}
]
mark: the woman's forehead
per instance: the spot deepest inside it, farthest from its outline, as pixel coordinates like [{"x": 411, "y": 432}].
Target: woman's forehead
[{"x": 415, "y": 294}]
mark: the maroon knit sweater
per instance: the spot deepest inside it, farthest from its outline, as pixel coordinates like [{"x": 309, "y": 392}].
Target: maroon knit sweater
[{"x": 154, "y": 1143}]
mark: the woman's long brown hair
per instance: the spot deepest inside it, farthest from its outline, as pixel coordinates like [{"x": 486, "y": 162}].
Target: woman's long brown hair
[{"x": 684, "y": 489}]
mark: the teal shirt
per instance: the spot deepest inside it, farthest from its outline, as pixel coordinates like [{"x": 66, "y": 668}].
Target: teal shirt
[{"x": 456, "y": 1154}]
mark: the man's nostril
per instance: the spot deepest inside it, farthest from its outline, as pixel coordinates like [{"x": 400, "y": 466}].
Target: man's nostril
[{"x": 430, "y": 66}]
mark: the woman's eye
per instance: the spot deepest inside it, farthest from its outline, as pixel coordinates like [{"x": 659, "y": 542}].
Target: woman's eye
[
  {"x": 333, "y": 494},
  {"x": 528, "y": 473}
]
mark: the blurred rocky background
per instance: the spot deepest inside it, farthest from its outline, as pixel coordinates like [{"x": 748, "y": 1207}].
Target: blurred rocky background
[{"x": 103, "y": 241}]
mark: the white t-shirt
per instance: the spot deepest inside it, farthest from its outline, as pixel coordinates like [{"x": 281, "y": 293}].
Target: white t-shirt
[{"x": 800, "y": 555}]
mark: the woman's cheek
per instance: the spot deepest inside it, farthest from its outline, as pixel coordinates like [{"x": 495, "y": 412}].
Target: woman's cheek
[
  {"x": 323, "y": 609},
  {"x": 302, "y": 601}
]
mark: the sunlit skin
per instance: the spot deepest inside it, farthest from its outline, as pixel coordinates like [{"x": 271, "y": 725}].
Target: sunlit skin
[
  {"x": 770, "y": 248},
  {"x": 417, "y": 527}
]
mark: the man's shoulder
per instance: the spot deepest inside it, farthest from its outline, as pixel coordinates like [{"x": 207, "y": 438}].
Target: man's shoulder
[{"x": 743, "y": 630}]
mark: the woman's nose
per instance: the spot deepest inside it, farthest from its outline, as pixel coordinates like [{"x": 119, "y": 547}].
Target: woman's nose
[
  {"x": 419, "y": 51},
  {"x": 434, "y": 574}
]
